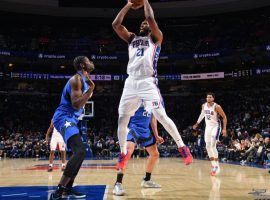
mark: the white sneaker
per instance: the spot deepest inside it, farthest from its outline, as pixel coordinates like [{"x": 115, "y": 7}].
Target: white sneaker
[
  {"x": 150, "y": 184},
  {"x": 118, "y": 189},
  {"x": 215, "y": 170}
]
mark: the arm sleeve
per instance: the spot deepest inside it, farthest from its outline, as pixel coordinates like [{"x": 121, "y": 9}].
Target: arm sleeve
[{"x": 200, "y": 117}]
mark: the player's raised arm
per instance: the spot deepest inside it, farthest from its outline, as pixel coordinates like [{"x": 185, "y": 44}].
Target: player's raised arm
[
  {"x": 121, "y": 30},
  {"x": 224, "y": 119},
  {"x": 78, "y": 99},
  {"x": 149, "y": 16},
  {"x": 49, "y": 131},
  {"x": 199, "y": 119}
]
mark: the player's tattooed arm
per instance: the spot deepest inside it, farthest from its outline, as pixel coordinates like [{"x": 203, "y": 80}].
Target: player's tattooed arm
[
  {"x": 78, "y": 99},
  {"x": 120, "y": 29},
  {"x": 149, "y": 16},
  {"x": 224, "y": 118}
]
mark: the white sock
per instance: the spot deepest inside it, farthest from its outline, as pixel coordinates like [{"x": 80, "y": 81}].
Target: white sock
[
  {"x": 169, "y": 125},
  {"x": 63, "y": 164},
  {"x": 50, "y": 165}
]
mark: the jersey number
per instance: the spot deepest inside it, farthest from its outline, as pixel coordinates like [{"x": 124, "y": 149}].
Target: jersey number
[
  {"x": 140, "y": 52},
  {"x": 208, "y": 117}
]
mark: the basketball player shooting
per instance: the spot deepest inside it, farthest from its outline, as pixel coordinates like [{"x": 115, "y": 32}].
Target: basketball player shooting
[
  {"x": 211, "y": 112},
  {"x": 75, "y": 94},
  {"x": 141, "y": 84},
  {"x": 56, "y": 140}
]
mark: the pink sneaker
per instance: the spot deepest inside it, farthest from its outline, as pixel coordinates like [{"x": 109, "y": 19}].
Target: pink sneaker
[
  {"x": 185, "y": 153},
  {"x": 215, "y": 170},
  {"x": 122, "y": 161}
]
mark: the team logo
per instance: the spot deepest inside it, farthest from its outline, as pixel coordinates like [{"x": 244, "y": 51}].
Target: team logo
[
  {"x": 67, "y": 124},
  {"x": 259, "y": 194},
  {"x": 155, "y": 104}
]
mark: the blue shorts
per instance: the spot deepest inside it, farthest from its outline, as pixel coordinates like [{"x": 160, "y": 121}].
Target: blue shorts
[
  {"x": 145, "y": 139},
  {"x": 67, "y": 127}
]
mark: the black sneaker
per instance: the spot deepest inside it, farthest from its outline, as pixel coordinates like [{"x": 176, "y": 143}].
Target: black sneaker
[
  {"x": 72, "y": 193},
  {"x": 54, "y": 196}
]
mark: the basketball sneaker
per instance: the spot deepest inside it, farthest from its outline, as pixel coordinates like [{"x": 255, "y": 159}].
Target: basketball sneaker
[
  {"x": 122, "y": 161},
  {"x": 185, "y": 153},
  {"x": 50, "y": 169},
  {"x": 54, "y": 196},
  {"x": 215, "y": 170},
  {"x": 73, "y": 194},
  {"x": 118, "y": 189},
  {"x": 149, "y": 184}
]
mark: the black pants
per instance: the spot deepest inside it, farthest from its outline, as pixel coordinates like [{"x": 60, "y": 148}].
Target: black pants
[{"x": 76, "y": 160}]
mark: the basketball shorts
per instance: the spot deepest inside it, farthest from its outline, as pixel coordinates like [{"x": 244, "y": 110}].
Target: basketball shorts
[
  {"x": 67, "y": 126},
  {"x": 212, "y": 132},
  {"x": 145, "y": 139},
  {"x": 137, "y": 91},
  {"x": 57, "y": 139}
]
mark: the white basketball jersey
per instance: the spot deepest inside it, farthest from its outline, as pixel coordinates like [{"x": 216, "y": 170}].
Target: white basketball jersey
[
  {"x": 143, "y": 57},
  {"x": 210, "y": 115}
]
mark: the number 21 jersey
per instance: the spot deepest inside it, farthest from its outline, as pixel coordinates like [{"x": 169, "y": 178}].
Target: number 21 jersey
[{"x": 143, "y": 57}]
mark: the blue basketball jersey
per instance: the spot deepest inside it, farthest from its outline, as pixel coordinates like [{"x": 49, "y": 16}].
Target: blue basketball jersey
[
  {"x": 65, "y": 109},
  {"x": 140, "y": 121}
]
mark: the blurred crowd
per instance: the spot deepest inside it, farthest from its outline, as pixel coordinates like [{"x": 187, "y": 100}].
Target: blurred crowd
[
  {"x": 23, "y": 126},
  {"x": 204, "y": 34}
]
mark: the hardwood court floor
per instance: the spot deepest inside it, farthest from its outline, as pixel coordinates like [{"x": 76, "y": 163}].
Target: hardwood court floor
[{"x": 178, "y": 181}]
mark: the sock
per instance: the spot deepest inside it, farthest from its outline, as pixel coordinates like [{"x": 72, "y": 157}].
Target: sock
[
  {"x": 217, "y": 163},
  {"x": 50, "y": 165},
  {"x": 63, "y": 164},
  {"x": 70, "y": 183},
  {"x": 119, "y": 178},
  {"x": 147, "y": 176}
]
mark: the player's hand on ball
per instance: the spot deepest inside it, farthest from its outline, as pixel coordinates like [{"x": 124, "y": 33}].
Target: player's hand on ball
[
  {"x": 136, "y": 4},
  {"x": 129, "y": 3},
  {"x": 159, "y": 139}
]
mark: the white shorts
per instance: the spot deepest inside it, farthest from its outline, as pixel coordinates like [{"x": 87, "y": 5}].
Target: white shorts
[
  {"x": 57, "y": 139},
  {"x": 212, "y": 133},
  {"x": 138, "y": 91}
]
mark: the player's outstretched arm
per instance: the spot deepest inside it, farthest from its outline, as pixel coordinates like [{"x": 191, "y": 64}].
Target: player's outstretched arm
[
  {"x": 121, "y": 30},
  {"x": 49, "y": 131},
  {"x": 224, "y": 119},
  {"x": 78, "y": 99},
  {"x": 149, "y": 16},
  {"x": 195, "y": 126}
]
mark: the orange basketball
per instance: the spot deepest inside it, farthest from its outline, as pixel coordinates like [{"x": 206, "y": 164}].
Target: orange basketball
[{"x": 137, "y": 4}]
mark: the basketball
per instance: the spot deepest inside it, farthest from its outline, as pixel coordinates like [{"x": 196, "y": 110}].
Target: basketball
[{"x": 137, "y": 4}]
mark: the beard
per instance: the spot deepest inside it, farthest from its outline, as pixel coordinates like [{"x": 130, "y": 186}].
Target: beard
[{"x": 144, "y": 33}]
